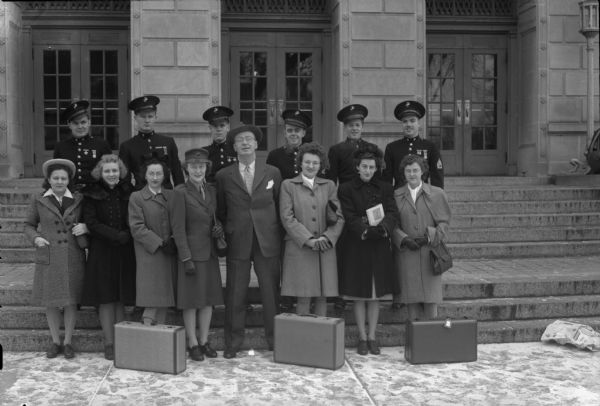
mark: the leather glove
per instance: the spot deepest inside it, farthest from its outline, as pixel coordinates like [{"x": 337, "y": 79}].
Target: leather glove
[
  {"x": 168, "y": 246},
  {"x": 422, "y": 241},
  {"x": 123, "y": 237},
  {"x": 189, "y": 267},
  {"x": 217, "y": 231},
  {"x": 326, "y": 244},
  {"x": 410, "y": 244},
  {"x": 375, "y": 233}
]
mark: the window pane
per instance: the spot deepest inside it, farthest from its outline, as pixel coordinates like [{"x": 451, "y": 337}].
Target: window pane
[
  {"x": 111, "y": 62},
  {"x": 260, "y": 63},
  {"x": 64, "y": 133},
  {"x": 64, "y": 62},
  {"x": 245, "y": 64},
  {"x": 50, "y": 117},
  {"x": 246, "y": 105},
  {"x": 490, "y": 90},
  {"x": 490, "y": 114},
  {"x": 260, "y": 89},
  {"x": 112, "y": 87},
  {"x": 262, "y": 145},
  {"x": 477, "y": 65},
  {"x": 291, "y": 89},
  {"x": 433, "y": 115},
  {"x": 307, "y": 107},
  {"x": 97, "y": 117},
  {"x": 490, "y": 138},
  {"x": 433, "y": 90},
  {"x": 96, "y": 62},
  {"x": 434, "y": 64},
  {"x": 96, "y": 90},
  {"x": 64, "y": 87},
  {"x": 477, "y": 89},
  {"x": 50, "y": 138},
  {"x": 260, "y": 106},
  {"x": 112, "y": 104},
  {"x": 98, "y": 131},
  {"x": 291, "y": 64},
  {"x": 447, "y": 66},
  {"x": 49, "y": 87},
  {"x": 448, "y": 114},
  {"x": 448, "y": 90},
  {"x": 448, "y": 138},
  {"x": 50, "y": 62},
  {"x": 477, "y": 114},
  {"x": 246, "y": 117},
  {"x": 477, "y": 138},
  {"x": 490, "y": 65},
  {"x": 260, "y": 117},
  {"x": 245, "y": 88},
  {"x": 306, "y": 89},
  {"x": 112, "y": 136},
  {"x": 305, "y": 66},
  {"x": 433, "y": 133},
  {"x": 112, "y": 117}
]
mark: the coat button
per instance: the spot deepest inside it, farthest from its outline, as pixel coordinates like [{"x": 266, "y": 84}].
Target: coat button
[
  {"x": 56, "y": 222},
  {"x": 314, "y": 219}
]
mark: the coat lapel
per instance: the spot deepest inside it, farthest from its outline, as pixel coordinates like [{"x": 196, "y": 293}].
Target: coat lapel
[
  {"x": 236, "y": 176},
  {"x": 148, "y": 195},
  {"x": 45, "y": 201},
  {"x": 76, "y": 201},
  {"x": 259, "y": 174},
  {"x": 196, "y": 194},
  {"x": 403, "y": 194}
]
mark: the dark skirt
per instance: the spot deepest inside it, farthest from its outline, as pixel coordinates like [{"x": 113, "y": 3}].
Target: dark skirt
[{"x": 202, "y": 288}]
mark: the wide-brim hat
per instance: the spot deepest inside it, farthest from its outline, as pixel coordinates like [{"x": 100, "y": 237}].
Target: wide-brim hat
[
  {"x": 297, "y": 118},
  {"x": 196, "y": 155},
  {"x": 143, "y": 103},
  {"x": 217, "y": 113},
  {"x": 352, "y": 112},
  {"x": 245, "y": 128},
  {"x": 75, "y": 110},
  {"x": 57, "y": 161},
  {"x": 409, "y": 108}
]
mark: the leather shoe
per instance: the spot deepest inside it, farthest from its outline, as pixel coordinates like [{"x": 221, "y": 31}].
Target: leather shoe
[
  {"x": 362, "y": 348},
  {"x": 53, "y": 350},
  {"x": 208, "y": 351},
  {"x": 109, "y": 352},
  {"x": 373, "y": 347},
  {"x": 196, "y": 353},
  {"x": 229, "y": 353},
  {"x": 69, "y": 351}
]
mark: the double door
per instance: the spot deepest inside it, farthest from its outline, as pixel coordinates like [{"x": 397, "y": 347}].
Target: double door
[
  {"x": 271, "y": 72},
  {"x": 71, "y": 65},
  {"x": 466, "y": 102}
]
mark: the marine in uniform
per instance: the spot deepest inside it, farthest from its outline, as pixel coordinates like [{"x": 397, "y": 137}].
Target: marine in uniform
[
  {"x": 284, "y": 158},
  {"x": 82, "y": 149},
  {"x": 409, "y": 113},
  {"x": 341, "y": 156},
  {"x": 147, "y": 145},
  {"x": 220, "y": 152}
]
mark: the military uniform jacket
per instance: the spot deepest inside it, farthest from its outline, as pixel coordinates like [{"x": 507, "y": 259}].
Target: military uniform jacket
[
  {"x": 221, "y": 155},
  {"x": 84, "y": 152},
  {"x": 396, "y": 150},
  {"x": 135, "y": 151},
  {"x": 284, "y": 159},
  {"x": 341, "y": 160}
]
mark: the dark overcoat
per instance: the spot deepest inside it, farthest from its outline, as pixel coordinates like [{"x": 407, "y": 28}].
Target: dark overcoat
[
  {"x": 430, "y": 216},
  {"x": 84, "y": 152},
  {"x": 362, "y": 261},
  {"x": 59, "y": 267},
  {"x": 150, "y": 225},
  {"x": 395, "y": 151},
  {"x": 308, "y": 273},
  {"x": 110, "y": 268},
  {"x": 284, "y": 159}
]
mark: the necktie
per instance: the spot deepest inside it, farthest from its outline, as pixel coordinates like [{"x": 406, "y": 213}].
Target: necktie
[
  {"x": 248, "y": 179},
  {"x": 202, "y": 192}
]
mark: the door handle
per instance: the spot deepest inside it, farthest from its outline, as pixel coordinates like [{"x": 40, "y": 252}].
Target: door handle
[
  {"x": 272, "y": 112},
  {"x": 279, "y": 111},
  {"x": 467, "y": 112},
  {"x": 458, "y": 111}
]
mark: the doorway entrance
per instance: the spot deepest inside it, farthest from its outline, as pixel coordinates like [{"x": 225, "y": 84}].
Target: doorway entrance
[
  {"x": 78, "y": 64},
  {"x": 467, "y": 102},
  {"x": 271, "y": 72}
]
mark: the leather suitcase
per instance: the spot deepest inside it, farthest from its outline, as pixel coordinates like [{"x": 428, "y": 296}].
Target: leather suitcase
[
  {"x": 441, "y": 341},
  {"x": 154, "y": 348},
  {"x": 309, "y": 340}
]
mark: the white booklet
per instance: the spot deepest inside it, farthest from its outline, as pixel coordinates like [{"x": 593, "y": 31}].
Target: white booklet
[{"x": 375, "y": 214}]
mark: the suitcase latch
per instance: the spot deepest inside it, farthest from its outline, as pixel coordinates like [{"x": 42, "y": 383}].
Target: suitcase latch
[{"x": 448, "y": 323}]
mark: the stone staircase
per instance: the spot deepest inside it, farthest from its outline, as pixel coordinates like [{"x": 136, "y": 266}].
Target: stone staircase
[{"x": 526, "y": 253}]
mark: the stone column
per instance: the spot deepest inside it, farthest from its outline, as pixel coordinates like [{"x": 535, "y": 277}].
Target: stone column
[{"x": 175, "y": 55}]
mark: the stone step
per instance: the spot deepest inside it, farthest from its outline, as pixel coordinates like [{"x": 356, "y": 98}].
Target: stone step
[
  {"x": 388, "y": 335},
  {"x": 576, "y": 180},
  {"x": 20, "y": 196},
  {"x": 17, "y": 255},
  {"x": 494, "y": 309},
  {"x": 509, "y": 181},
  {"x": 522, "y": 221},
  {"x": 524, "y": 207},
  {"x": 525, "y": 249},
  {"x": 21, "y": 183},
  {"x": 544, "y": 193},
  {"x": 13, "y": 210},
  {"x": 507, "y": 234},
  {"x": 14, "y": 240},
  {"x": 12, "y": 225}
]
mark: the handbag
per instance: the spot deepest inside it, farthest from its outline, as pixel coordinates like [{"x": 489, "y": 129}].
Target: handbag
[
  {"x": 441, "y": 260},
  {"x": 331, "y": 217},
  {"x": 220, "y": 242}
]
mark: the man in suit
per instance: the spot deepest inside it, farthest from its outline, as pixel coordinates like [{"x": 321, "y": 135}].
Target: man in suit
[
  {"x": 147, "y": 145},
  {"x": 220, "y": 152},
  {"x": 247, "y": 204}
]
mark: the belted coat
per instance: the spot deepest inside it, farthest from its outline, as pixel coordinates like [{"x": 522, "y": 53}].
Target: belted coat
[
  {"x": 308, "y": 273},
  {"x": 59, "y": 267}
]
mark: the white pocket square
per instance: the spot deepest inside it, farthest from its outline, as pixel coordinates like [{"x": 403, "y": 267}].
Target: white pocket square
[{"x": 270, "y": 184}]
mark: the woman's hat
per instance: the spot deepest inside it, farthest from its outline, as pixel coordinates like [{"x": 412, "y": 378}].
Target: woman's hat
[
  {"x": 57, "y": 161},
  {"x": 74, "y": 110},
  {"x": 197, "y": 156}
]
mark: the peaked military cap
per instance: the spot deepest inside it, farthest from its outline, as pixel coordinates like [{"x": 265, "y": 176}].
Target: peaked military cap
[
  {"x": 143, "y": 103},
  {"x": 352, "y": 112},
  {"x": 217, "y": 113},
  {"x": 245, "y": 128},
  {"x": 74, "y": 110},
  {"x": 196, "y": 155},
  {"x": 409, "y": 108},
  {"x": 296, "y": 118}
]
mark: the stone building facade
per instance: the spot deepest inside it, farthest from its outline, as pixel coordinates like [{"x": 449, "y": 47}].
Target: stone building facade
[{"x": 504, "y": 81}]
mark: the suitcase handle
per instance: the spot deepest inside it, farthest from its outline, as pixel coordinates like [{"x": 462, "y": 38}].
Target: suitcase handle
[{"x": 308, "y": 315}]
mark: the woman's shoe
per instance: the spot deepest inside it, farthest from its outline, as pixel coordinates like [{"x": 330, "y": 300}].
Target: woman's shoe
[
  {"x": 373, "y": 347},
  {"x": 69, "y": 351},
  {"x": 208, "y": 351},
  {"x": 362, "y": 348},
  {"x": 109, "y": 352},
  {"x": 196, "y": 353},
  {"x": 53, "y": 350}
]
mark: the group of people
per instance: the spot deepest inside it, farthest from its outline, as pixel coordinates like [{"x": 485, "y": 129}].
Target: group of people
[{"x": 351, "y": 223}]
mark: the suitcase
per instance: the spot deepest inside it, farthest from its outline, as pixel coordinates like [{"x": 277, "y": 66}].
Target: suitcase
[
  {"x": 309, "y": 340},
  {"x": 441, "y": 341},
  {"x": 154, "y": 348}
]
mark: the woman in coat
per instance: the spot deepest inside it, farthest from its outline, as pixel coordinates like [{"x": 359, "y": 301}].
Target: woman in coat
[
  {"x": 155, "y": 250},
  {"x": 110, "y": 270},
  {"x": 199, "y": 285},
  {"x": 309, "y": 261},
  {"x": 60, "y": 257},
  {"x": 424, "y": 217},
  {"x": 365, "y": 253}
]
